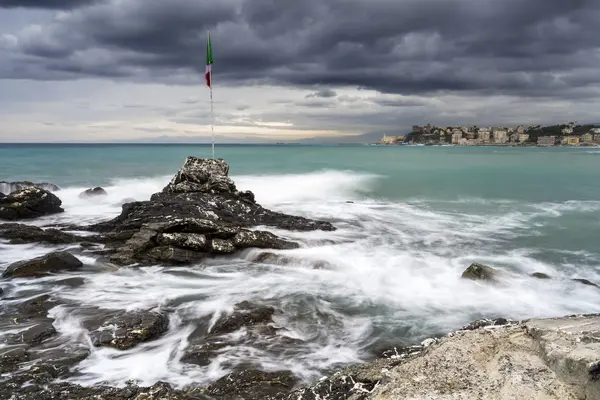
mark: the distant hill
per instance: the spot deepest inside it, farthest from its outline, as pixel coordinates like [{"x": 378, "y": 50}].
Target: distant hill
[{"x": 346, "y": 139}]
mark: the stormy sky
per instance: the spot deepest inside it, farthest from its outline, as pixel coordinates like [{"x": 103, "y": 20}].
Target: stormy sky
[{"x": 95, "y": 70}]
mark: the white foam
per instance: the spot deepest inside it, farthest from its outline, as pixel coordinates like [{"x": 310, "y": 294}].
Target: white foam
[{"x": 390, "y": 271}]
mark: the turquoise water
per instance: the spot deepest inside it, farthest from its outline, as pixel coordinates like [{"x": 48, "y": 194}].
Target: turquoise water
[{"x": 409, "y": 219}]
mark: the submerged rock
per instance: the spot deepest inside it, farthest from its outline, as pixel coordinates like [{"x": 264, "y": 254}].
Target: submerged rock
[
  {"x": 94, "y": 192},
  {"x": 244, "y": 314},
  {"x": 9, "y": 187},
  {"x": 540, "y": 275},
  {"x": 34, "y": 335},
  {"x": 126, "y": 330},
  {"x": 479, "y": 272},
  {"x": 29, "y": 203},
  {"x": 586, "y": 282},
  {"x": 44, "y": 265}
]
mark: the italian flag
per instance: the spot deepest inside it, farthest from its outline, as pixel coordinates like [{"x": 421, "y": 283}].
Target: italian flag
[{"x": 209, "y": 62}]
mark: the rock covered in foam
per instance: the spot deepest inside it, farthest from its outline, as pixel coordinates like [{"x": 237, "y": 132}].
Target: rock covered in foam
[
  {"x": 9, "y": 187},
  {"x": 31, "y": 202},
  {"x": 93, "y": 192},
  {"x": 479, "y": 272},
  {"x": 126, "y": 330}
]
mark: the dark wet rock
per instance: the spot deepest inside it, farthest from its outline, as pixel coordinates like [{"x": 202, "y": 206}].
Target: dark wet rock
[
  {"x": 479, "y": 272},
  {"x": 203, "y": 354},
  {"x": 9, "y": 187},
  {"x": 44, "y": 265},
  {"x": 586, "y": 282},
  {"x": 244, "y": 314},
  {"x": 88, "y": 245},
  {"x": 94, "y": 192},
  {"x": 74, "y": 282},
  {"x": 34, "y": 308},
  {"x": 34, "y": 335},
  {"x": 29, "y": 203},
  {"x": 253, "y": 385},
  {"x": 63, "y": 357},
  {"x": 37, "y": 390},
  {"x": 280, "y": 259},
  {"x": 262, "y": 240},
  {"x": 20, "y": 233},
  {"x": 126, "y": 330},
  {"x": 11, "y": 356},
  {"x": 540, "y": 275},
  {"x": 201, "y": 211},
  {"x": 2, "y": 195}
]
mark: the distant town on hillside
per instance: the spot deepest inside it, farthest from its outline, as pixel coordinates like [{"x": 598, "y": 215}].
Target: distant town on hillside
[{"x": 555, "y": 135}]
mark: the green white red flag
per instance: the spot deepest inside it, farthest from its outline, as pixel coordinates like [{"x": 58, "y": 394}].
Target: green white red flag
[{"x": 209, "y": 62}]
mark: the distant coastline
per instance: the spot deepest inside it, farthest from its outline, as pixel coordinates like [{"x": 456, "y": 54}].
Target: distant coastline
[{"x": 535, "y": 135}]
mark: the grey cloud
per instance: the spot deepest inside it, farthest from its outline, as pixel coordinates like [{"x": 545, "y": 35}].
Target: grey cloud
[
  {"x": 516, "y": 47},
  {"x": 325, "y": 93}
]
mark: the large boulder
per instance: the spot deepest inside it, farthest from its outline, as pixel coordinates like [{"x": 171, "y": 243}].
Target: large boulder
[
  {"x": 479, "y": 272},
  {"x": 94, "y": 192},
  {"x": 199, "y": 213},
  {"x": 9, "y": 187},
  {"x": 44, "y": 265},
  {"x": 29, "y": 203},
  {"x": 126, "y": 330}
]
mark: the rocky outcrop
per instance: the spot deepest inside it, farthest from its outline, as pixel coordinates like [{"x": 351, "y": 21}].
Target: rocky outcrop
[
  {"x": 20, "y": 233},
  {"x": 479, "y": 272},
  {"x": 44, "y": 265},
  {"x": 586, "y": 282},
  {"x": 244, "y": 314},
  {"x": 128, "y": 329},
  {"x": 9, "y": 187},
  {"x": 29, "y": 203},
  {"x": 540, "y": 275},
  {"x": 93, "y": 192},
  {"x": 199, "y": 213}
]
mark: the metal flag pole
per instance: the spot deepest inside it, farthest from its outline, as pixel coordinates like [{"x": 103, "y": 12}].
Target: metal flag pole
[{"x": 212, "y": 119}]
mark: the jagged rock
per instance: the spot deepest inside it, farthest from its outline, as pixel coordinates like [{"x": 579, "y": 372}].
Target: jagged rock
[
  {"x": 94, "y": 192},
  {"x": 262, "y": 240},
  {"x": 20, "y": 233},
  {"x": 29, "y": 203},
  {"x": 221, "y": 246},
  {"x": 44, "y": 265},
  {"x": 479, "y": 272},
  {"x": 586, "y": 282},
  {"x": 202, "y": 354},
  {"x": 252, "y": 385},
  {"x": 481, "y": 323},
  {"x": 540, "y": 275},
  {"x": 192, "y": 241},
  {"x": 9, "y": 187},
  {"x": 34, "y": 308},
  {"x": 126, "y": 330},
  {"x": 244, "y": 314}
]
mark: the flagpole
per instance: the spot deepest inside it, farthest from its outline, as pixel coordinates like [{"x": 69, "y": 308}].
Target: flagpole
[{"x": 212, "y": 119}]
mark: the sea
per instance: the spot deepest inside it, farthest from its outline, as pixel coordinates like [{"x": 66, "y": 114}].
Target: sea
[{"x": 409, "y": 221}]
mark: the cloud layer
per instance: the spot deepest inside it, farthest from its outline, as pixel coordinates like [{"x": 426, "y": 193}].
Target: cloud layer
[{"x": 417, "y": 54}]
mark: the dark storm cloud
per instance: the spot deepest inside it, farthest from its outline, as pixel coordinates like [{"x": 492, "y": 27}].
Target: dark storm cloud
[
  {"x": 45, "y": 4},
  {"x": 521, "y": 47}
]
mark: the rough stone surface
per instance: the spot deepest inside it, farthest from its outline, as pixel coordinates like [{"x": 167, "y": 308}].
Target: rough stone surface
[
  {"x": 9, "y": 187},
  {"x": 94, "y": 192},
  {"x": 244, "y": 314},
  {"x": 479, "y": 272},
  {"x": 34, "y": 335},
  {"x": 252, "y": 385},
  {"x": 20, "y": 233},
  {"x": 126, "y": 330},
  {"x": 31, "y": 202},
  {"x": 200, "y": 201},
  {"x": 44, "y": 265}
]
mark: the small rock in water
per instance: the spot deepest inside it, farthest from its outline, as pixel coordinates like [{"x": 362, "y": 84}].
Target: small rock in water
[
  {"x": 97, "y": 191},
  {"x": 540, "y": 275},
  {"x": 126, "y": 330},
  {"x": 21, "y": 233},
  {"x": 479, "y": 272},
  {"x": 29, "y": 203},
  {"x": 245, "y": 314},
  {"x": 586, "y": 282},
  {"x": 44, "y": 265},
  {"x": 34, "y": 335}
]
